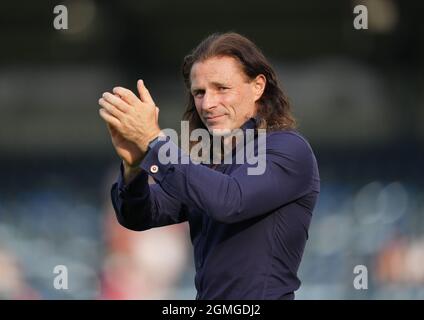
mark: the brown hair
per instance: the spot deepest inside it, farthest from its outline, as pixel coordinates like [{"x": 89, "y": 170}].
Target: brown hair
[{"x": 274, "y": 112}]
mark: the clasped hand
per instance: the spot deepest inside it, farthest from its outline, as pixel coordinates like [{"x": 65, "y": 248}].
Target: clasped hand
[{"x": 132, "y": 121}]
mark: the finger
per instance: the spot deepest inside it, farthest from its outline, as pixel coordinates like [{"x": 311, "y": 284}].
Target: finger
[
  {"x": 144, "y": 93},
  {"x": 116, "y": 101},
  {"x": 127, "y": 95},
  {"x": 111, "y": 109},
  {"x": 110, "y": 120}
]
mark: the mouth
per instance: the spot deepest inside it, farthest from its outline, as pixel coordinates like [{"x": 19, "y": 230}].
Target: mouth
[{"x": 213, "y": 118}]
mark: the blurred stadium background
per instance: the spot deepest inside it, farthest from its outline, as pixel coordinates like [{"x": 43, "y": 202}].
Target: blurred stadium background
[{"x": 358, "y": 96}]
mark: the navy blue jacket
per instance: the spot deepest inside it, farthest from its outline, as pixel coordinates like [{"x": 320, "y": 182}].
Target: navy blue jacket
[{"x": 248, "y": 231}]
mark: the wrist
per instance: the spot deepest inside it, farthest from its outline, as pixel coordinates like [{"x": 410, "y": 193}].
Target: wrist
[
  {"x": 130, "y": 172},
  {"x": 131, "y": 167},
  {"x": 144, "y": 143}
]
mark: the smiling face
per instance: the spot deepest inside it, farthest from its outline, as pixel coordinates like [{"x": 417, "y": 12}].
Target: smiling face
[{"x": 224, "y": 96}]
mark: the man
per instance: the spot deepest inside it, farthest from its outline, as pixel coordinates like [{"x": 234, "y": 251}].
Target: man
[{"x": 248, "y": 231}]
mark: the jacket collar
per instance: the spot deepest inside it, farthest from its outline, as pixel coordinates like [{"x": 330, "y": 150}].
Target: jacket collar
[{"x": 250, "y": 124}]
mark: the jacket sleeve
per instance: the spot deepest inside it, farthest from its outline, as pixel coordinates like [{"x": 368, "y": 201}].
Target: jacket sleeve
[
  {"x": 140, "y": 206},
  {"x": 230, "y": 198}
]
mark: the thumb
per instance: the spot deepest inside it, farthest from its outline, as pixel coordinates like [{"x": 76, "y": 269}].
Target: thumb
[
  {"x": 144, "y": 93},
  {"x": 111, "y": 129}
]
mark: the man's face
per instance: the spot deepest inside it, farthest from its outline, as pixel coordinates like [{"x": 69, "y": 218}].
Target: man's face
[{"x": 224, "y": 97}]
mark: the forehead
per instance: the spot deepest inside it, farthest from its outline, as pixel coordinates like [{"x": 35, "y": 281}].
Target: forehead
[{"x": 216, "y": 69}]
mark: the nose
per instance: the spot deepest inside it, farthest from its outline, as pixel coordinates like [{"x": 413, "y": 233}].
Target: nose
[{"x": 210, "y": 101}]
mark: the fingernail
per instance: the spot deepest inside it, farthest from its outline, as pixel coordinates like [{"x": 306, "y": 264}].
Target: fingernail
[{"x": 141, "y": 81}]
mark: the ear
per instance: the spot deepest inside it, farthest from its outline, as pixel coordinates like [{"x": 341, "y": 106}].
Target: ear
[{"x": 258, "y": 84}]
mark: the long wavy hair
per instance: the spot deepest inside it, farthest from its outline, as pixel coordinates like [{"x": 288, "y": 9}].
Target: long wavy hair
[{"x": 274, "y": 112}]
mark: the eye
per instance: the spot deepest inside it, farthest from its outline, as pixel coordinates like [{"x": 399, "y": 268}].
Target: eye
[
  {"x": 222, "y": 88},
  {"x": 198, "y": 93}
]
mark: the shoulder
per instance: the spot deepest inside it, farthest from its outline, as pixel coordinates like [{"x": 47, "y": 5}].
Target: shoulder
[{"x": 288, "y": 141}]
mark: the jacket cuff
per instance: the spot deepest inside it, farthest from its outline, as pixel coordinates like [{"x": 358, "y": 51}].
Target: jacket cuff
[
  {"x": 161, "y": 159},
  {"x": 138, "y": 186}
]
